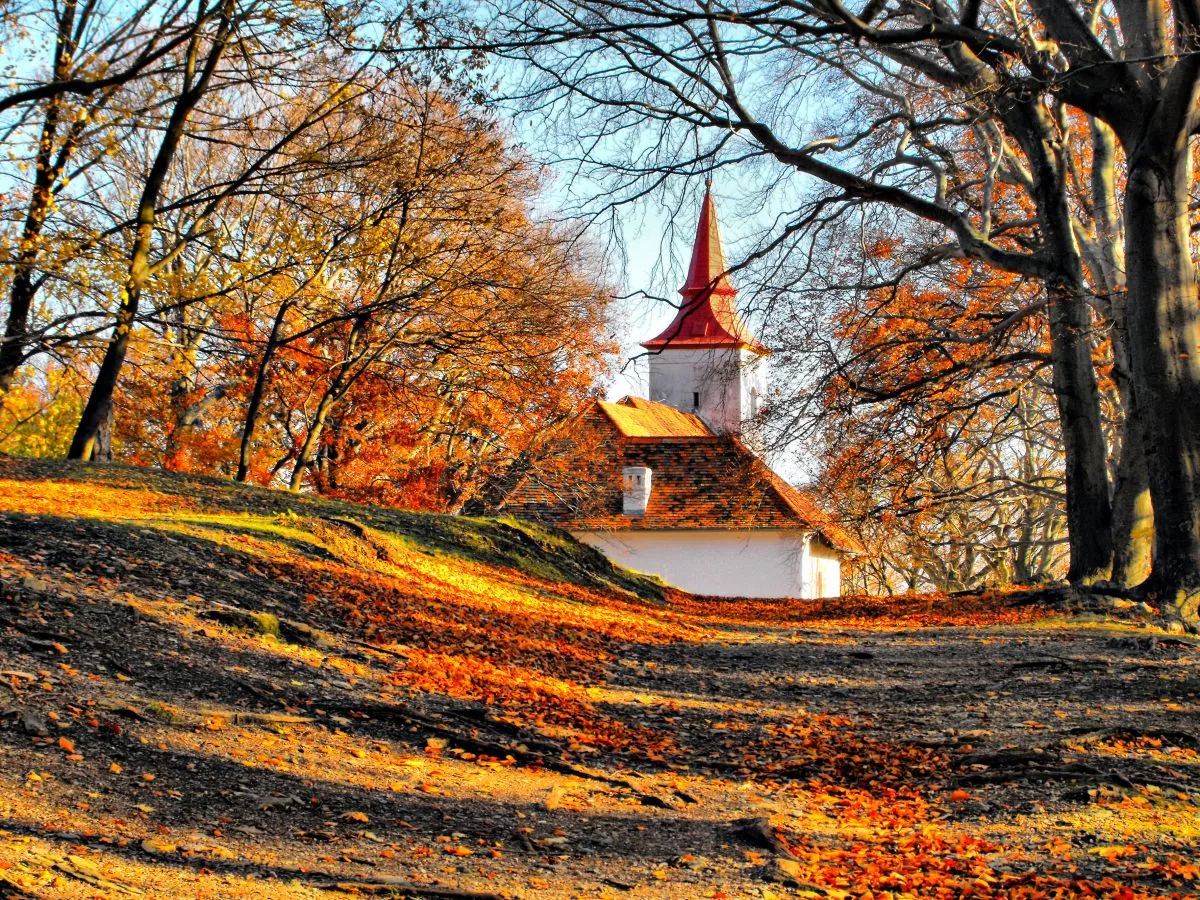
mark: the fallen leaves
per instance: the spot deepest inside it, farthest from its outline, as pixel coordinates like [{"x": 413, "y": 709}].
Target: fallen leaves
[{"x": 696, "y": 719}]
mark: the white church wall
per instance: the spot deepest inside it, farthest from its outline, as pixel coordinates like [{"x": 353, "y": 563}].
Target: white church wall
[
  {"x": 721, "y": 562},
  {"x": 824, "y": 574},
  {"x": 717, "y": 377},
  {"x": 754, "y": 383}
]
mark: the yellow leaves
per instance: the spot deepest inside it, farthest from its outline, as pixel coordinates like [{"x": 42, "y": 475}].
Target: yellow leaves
[
  {"x": 1114, "y": 852},
  {"x": 355, "y": 816}
]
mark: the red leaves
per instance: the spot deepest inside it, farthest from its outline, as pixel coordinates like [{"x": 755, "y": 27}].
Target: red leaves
[{"x": 928, "y": 610}]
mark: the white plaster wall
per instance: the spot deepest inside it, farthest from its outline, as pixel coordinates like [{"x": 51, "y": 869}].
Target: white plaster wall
[
  {"x": 824, "y": 571},
  {"x": 727, "y": 381},
  {"x": 725, "y": 563},
  {"x": 754, "y": 383}
]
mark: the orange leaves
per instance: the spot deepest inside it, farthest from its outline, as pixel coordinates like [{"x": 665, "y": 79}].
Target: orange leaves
[
  {"x": 922, "y": 858},
  {"x": 932, "y": 610},
  {"x": 1114, "y": 853}
]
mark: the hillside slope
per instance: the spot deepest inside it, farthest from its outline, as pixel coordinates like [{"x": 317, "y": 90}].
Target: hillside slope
[{"x": 217, "y": 691}]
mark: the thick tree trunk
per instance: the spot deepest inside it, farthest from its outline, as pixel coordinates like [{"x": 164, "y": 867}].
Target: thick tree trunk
[
  {"x": 1163, "y": 315},
  {"x": 1133, "y": 512},
  {"x": 98, "y": 411},
  {"x": 1076, "y": 391},
  {"x": 102, "y": 451},
  {"x": 1089, "y": 511}
]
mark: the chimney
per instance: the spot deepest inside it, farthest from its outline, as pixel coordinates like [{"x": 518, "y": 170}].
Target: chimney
[{"x": 636, "y": 494}]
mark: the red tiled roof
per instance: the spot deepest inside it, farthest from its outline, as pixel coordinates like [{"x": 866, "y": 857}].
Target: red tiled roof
[
  {"x": 708, "y": 316},
  {"x": 697, "y": 482}
]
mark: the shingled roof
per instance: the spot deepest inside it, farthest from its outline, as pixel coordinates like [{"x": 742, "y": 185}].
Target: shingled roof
[
  {"x": 638, "y": 418},
  {"x": 700, "y": 480}
]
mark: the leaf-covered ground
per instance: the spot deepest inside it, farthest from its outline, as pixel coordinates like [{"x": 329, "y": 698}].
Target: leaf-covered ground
[{"x": 212, "y": 691}]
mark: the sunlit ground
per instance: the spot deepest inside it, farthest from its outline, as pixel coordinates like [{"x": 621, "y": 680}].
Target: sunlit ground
[{"x": 473, "y": 706}]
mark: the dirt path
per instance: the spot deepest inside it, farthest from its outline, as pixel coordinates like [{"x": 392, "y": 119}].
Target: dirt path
[
  {"x": 814, "y": 760},
  {"x": 265, "y": 705}
]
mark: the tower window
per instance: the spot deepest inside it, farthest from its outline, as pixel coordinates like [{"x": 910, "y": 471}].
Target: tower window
[{"x": 695, "y": 399}]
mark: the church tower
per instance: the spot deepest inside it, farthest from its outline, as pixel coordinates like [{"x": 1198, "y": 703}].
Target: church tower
[{"x": 706, "y": 361}]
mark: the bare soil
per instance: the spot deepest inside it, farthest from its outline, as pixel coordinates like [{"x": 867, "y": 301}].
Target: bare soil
[{"x": 156, "y": 742}]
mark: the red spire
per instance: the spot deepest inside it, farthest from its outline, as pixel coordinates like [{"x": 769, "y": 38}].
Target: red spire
[{"x": 708, "y": 316}]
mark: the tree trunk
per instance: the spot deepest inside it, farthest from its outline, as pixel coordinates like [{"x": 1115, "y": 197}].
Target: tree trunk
[
  {"x": 99, "y": 408},
  {"x": 20, "y": 301},
  {"x": 22, "y": 289},
  {"x": 102, "y": 451},
  {"x": 100, "y": 401},
  {"x": 1089, "y": 511},
  {"x": 1163, "y": 315},
  {"x": 1076, "y": 391},
  {"x": 337, "y": 388},
  {"x": 250, "y": 424},
  {"x": 311, "y": 440},
  {"x": 1133, "y": 513}
]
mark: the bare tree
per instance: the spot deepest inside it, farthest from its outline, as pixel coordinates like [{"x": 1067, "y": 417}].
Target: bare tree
[
  {"x": 271, "y": 58},
  {"x": 95, "y": 52},
  {"x": 744, "y": 77}
]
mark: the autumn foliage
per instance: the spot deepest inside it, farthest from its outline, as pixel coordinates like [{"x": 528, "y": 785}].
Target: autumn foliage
[{"x": 354, "y": 288}]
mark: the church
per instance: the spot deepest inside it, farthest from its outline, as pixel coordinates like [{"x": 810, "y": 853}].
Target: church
[{"x": 667, "y": 486}]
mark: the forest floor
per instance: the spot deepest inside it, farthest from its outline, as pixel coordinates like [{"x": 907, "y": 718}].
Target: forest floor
[{"x": 213, "y": 691}]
